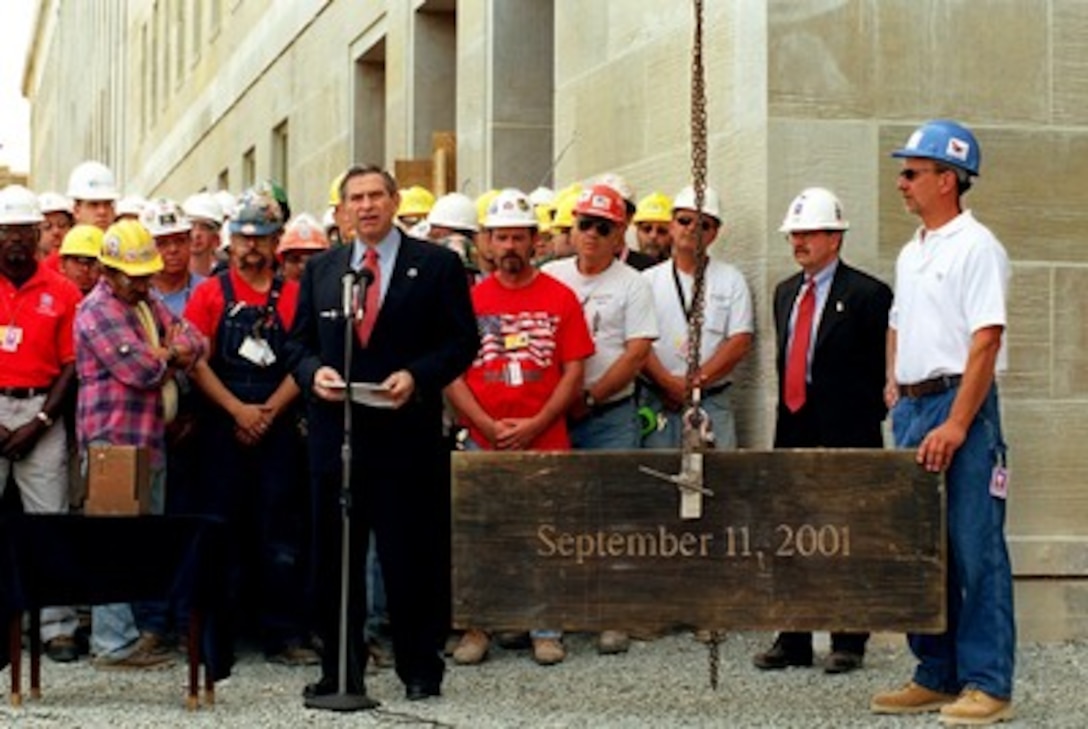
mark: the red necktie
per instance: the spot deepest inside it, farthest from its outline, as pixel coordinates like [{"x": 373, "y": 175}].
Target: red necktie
[
  {"x": 797, "y": 357},
  {"x": 373, "y": 294}
]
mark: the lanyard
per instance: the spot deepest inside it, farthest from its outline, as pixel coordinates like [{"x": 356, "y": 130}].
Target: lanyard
[{"x": 684, "y": 306}]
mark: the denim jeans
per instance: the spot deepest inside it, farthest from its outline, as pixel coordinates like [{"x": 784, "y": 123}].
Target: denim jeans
[
  {"x": 978, "y": 649},
  {"x": 615, "y": 429},
  {"x": 113, "y": 626},
  {"x": 377, "y": 610},
  {"x": 719, "y": 407}
]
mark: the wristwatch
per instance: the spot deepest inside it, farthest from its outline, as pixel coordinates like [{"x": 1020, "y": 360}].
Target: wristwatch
[
  {"x": 588, "y": 399},
  {"x": 44, "y": 417}
]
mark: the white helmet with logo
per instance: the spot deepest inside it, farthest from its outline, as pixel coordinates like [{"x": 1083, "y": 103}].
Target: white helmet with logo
[
  {"x": 163, "y": 217},
  {"x": 510, "y": 209},
  {"x": 92, "y": 181},
  {"x": 19, "y": 206},
  {"x": 130, "y": 205},
  {"x": 54, "y": 202},
  {"x": 816, "y": 208},
  {"x": 454, "y": 210}
]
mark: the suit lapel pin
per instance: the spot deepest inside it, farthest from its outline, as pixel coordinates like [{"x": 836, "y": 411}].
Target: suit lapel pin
[
  {"x": 412, "y": 272},
  {"x": 839, "y": 307}
]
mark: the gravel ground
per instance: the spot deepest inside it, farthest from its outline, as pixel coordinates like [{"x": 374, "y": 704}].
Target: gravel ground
[{"x": 663, "y": 683}]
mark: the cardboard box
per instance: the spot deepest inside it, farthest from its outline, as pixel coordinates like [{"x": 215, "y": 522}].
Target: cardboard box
[{"x": 118, "y": 481}]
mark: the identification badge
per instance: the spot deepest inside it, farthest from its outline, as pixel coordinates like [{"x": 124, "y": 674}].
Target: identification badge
[
  {"x": 257, "y": 351},
  {"x": 10, "y": 338},
  {"x": 516, "y": 341},
  {"x": 999, "y": 483},
  {"x": 514, "y": 376}
]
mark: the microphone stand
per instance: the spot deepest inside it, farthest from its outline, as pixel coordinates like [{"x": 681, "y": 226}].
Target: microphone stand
[{"x": 342, "y": 700}]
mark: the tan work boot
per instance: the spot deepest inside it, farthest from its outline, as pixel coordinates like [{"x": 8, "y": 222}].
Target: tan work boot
[
  {"x": 976, "y": 708},
  {"x": 610, "y": 642},
  {"x": 140, "y": 660},
  {"x": 472, "y": 648},
  {"x": 548, "y": 651},
  {"x": 911, "y": 699}
]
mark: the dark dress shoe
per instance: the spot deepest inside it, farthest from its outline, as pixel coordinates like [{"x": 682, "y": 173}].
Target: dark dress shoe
[
  {"x": 778, "y": 657},
  {"x": 420, "y": 690},
  {"x": 842, "y": 662},
  {"x": 62, "y": 649}
]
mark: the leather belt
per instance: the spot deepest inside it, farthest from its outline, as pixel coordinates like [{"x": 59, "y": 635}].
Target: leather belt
[
  {"x": 932, "y": 386},
  {"x": 23, "y": 393},
  {"x": 604, "y": 407}
]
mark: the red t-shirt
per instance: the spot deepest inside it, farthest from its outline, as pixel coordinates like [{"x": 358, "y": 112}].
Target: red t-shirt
[
  {"x": 205, "y": 307},
  {"x": 36, "y": 328},
  {"x": 526, "y": 335},
  {"x": 52, "y": 261}
]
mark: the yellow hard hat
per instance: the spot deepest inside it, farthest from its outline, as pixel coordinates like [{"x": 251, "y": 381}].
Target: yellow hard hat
[
  {"x": 654, "y": 208},
  {"x": 564, "y": 207},
  {"x": 334, "y": 189},
  {"x": 544, "y": 217},
  {"x": 483, "y": 202},
  {"x": 128, "y": 247},
  {"x": 416, "y": 201},
  {"x": 82, "y": 240}
]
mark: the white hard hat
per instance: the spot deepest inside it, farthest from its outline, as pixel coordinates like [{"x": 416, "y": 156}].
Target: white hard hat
[
  {"x": 203, "y": 206},
  {"x": 54, "y": 202},
  {"x": 542, "y": 196},
  {"x": 164, "y": 217},
  {"x": 227, "y": 202},
  {"x": 617, "y": 183},
  {"x": 130, "y": 205},
  {"x": 420, "y": 230},
  {"x": 454, "y": 210},
  {"x": 328, "y": 218},
  {"x": 712, "y": 204},
  {"x": 19, "y": 206},
  {"x": 816, "y": 208},
  {"x": 92, "y": 181},
  {"x": 510, "y": 209}
]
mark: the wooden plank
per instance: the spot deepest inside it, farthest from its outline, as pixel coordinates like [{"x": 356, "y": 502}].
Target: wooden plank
[{"x": 798, "y": 539}]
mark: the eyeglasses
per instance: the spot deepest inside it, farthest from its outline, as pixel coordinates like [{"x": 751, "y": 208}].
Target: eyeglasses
[
  {"x": 651, "y": 229},
  {"x": 604, "y": 227},
  {"x": 910, "y": 175},
  {"x": 686, "y": 220}
]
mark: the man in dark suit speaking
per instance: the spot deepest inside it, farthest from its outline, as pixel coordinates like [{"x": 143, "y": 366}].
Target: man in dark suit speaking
[
  {"x": 416, "y": 334},
  {"x": 831, "y": 322}
]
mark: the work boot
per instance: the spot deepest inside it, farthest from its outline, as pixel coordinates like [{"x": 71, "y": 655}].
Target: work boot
[
  {"x": 138, "y": 660},
  {"x": 152, "y": 643},
  {"x": 976, "y": 708},
  {"x": 472, "y": 648},
  {"x": 610, "y": 642},
  {"x": 62, "y": 649},
  {"x": 548, "y": 651},
  {"x": 911, "y": 699}
]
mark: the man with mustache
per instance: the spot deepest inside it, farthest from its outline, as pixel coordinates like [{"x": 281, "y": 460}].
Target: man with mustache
[
  {"x": 529, "y": 369},
  {"x": 250, "y": 426}
]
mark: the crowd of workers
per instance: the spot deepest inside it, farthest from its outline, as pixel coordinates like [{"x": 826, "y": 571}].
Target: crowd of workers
[{"x": 207, "y": 332}]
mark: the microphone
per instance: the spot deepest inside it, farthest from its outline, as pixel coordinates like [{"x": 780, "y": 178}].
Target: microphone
[
  {"x": 364, "y": 277},
  {"x": 347, "y": 292}
]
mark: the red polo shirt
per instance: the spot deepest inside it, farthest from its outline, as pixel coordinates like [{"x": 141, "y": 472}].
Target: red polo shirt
[
  {"x": 205, "y": 307},
  {"x": 36, "y": 328}
]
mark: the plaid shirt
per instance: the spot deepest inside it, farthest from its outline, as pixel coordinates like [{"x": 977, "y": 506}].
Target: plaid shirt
[{"x": 120, "y": 377}]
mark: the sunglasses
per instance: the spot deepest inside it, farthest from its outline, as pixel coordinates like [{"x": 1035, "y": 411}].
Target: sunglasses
[
  {"x": 909, "y": 175},
  {"x": 604, "y": 227},
  {"x": 686, "y": 220},
  {"x": 651, "y": 229}
]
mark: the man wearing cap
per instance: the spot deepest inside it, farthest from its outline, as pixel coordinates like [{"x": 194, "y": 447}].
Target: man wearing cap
[
  {"x": 414, "y": 334},
  {"x": 726, "y": 335},
  {"x": 651, "y": 220},
  {"x": 831, "y": 321},
  {"x": 37, "y": 367},
  {"x": 93, "y": 191},
  {"x": 529, "y": 370},
  {"x": 250, "y": 424},
  {"x": 205, "y": 215},
  {"x": 171, "y": 229},
  {"x": 945, "y": 346},
  {"x": 127, "y": 346},
  {"x": 618, "y": 306},
  {"x": 634, "y": 258},
  {"x": 302, "y": 239},
  {"x": 79, "y": 257}
]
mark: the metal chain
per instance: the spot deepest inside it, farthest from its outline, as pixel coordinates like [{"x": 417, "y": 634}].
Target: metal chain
[{"x": 694, "y": 428}]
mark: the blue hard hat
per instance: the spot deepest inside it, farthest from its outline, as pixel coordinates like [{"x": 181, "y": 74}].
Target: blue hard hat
[{"x": 945, "y": 141}]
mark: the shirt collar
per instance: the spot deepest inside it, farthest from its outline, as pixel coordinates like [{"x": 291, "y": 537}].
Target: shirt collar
[{"x": 387, "y": 248}]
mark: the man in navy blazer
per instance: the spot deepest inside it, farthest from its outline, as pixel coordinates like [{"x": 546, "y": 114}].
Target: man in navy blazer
[
  {"x": 424, "y": 335},
  {"x": 833, "y": 394}
]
